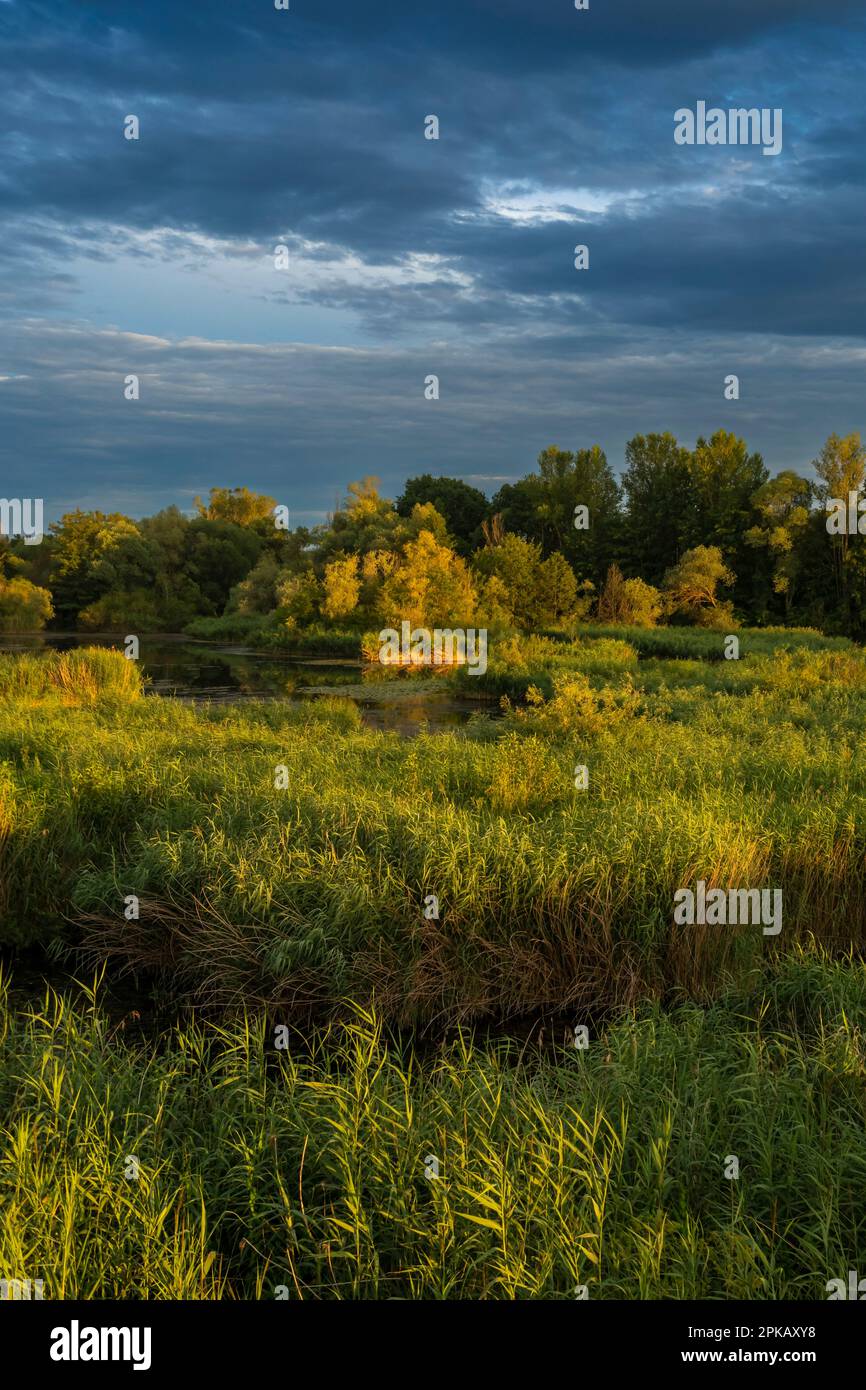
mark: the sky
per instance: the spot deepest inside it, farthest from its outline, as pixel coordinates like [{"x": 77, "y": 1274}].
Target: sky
[{"x": 410, "y": 257}]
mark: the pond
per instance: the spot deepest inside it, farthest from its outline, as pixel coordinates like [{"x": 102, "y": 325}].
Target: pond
[{"x": 190, "y": 670}]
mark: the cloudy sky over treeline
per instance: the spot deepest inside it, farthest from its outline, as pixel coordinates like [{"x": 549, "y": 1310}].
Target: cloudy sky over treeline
[{"x": 410, "y": 257}]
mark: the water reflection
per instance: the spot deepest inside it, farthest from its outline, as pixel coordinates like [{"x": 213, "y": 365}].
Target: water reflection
[{"x": 190, "y": 670}]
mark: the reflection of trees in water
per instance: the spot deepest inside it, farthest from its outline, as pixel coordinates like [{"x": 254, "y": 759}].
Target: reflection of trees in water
[{"x": 198, "y": 671}]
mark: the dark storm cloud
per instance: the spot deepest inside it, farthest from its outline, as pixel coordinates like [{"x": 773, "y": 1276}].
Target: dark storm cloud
[{"x": 225, "y": 35}]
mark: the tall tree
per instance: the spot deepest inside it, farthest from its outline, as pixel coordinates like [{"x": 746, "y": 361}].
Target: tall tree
[
  {"x": 463, "y": 507},
  {"x": 782, "y": 506},
  {"x": 80, "y": 541},
  {"x": 691, "y": 588},
  {"x": 221, "y": 555},
  {"x": 541, "y": 507},
  {"x": 840, "y": 466},
  {"x": 238, "y": 505},
  {"x": 366, "y": 521},
  {"x": 725, "y": 478},
  {"x": 660, "y": 510}
]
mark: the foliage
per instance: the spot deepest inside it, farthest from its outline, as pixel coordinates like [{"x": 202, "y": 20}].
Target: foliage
[
  {"x": 462, "y": 507},
  {"x": 690, "y": 588},
  {"x": 342, "y": 587},
  {"x": 630, "y": 602},
  {"x": 24, "y": 607},
  {"x": 304, "y": 1173},
  {"x": 529, "y": 561},
  {"x": 430, "y": 586},
  {"x": 237, "y": 505}
]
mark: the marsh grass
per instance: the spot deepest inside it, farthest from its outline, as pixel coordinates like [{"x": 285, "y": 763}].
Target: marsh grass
[
  {"x": 549, "y": 897},
  {"x": 557, "y": 1167},
  {"x": 702, "y": 645},
  {"x": 82, "y": 676}
]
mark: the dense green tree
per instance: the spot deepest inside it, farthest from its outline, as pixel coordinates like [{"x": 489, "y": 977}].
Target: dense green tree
[
  {"x": 81, "y": 540},
  {"x": 463, "y": 507},
  {"x": 841, "y": 468},
  {"x": 556, "y": 593},
  {"x": 177, "y": 596},
  {"x": 542, "y": 507},
  {"x": 221, "y": 554},
  {"x": 168, "y": 532},
  {"x": 24, "y": 607},
  {"x": 257, "y": 593},
  {"x": 725, "y": 478},
  {"x": 521, "y": 588},
  {"x": 659, "y": 522},
  {"x": 132, "y": 562},
  {"x": 123, "y": 610},
  {"x": 517, "y": 507},
  {"x": 514, "y": 561},
  {"x": 10, "y": 562},
  {"x": 573, "y": 480},
  {"x": 782, "y": 506}
]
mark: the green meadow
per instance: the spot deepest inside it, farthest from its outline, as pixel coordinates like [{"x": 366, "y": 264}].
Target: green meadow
[{"x": 425, "y": 923}]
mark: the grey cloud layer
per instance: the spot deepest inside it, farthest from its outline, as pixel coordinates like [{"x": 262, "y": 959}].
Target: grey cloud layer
[
  {"x": 258, "y": 125},
  {"x": 290, "y": 417}
]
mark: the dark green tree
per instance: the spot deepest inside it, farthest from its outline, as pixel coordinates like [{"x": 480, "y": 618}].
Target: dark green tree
[
  {"x": 725, "y": 478},
  {"x": 221, "y": 555},
  {"x": 463, "y": 507},
  {"x": 659, "y": 521}
]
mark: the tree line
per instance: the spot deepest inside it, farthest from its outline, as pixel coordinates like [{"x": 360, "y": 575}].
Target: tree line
[{"x": 702, "y": 535}]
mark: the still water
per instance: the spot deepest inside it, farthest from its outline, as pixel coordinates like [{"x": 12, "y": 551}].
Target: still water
[{"x": 190, "y": 670}]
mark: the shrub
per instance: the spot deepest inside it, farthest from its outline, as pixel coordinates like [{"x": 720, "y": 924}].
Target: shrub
[
  {"x": 575, "y": 707},
  {"x": 24, "y": 607},
  {"x": 628, "y": 601}
]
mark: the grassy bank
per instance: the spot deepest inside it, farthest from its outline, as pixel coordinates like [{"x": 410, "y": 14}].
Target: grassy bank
[
  {"x": 72, "y": 678},
  {"x": 266, "y": 633},
  {"x": 698, "y": 644},
  {"x": 282, "y": 856}
]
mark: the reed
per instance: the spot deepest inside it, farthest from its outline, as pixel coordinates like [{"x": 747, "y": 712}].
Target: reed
[
  {"x": 748, "y": 774},
  {"x": 304, "y": 1173}
]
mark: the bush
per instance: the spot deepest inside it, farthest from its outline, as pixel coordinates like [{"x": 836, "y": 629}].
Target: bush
[
  {"x": 133, "y": 610},
  {"x": 23, "y": 606},
  {"x": 576, "y": 708},
  {"x": 629, "y": 602}
]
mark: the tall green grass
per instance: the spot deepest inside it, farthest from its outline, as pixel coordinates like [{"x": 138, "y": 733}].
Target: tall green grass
[
  {"x": 693, "y": 643},
  {"x": 265, "y": 631},
  {"x": 304, "y": 1173},
  {"x": 753, "y": 776},
  {"x": 260, "y": 1171},
  {"x": 80, "y": 676}
]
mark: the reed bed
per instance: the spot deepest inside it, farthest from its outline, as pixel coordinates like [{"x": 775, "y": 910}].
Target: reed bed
[
  {"x": 354, "y": 1165},
  {"x": 431, "y": 1130},
  {"x": 82, "y": 676},
  {"x": 748, "y": 774}
]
